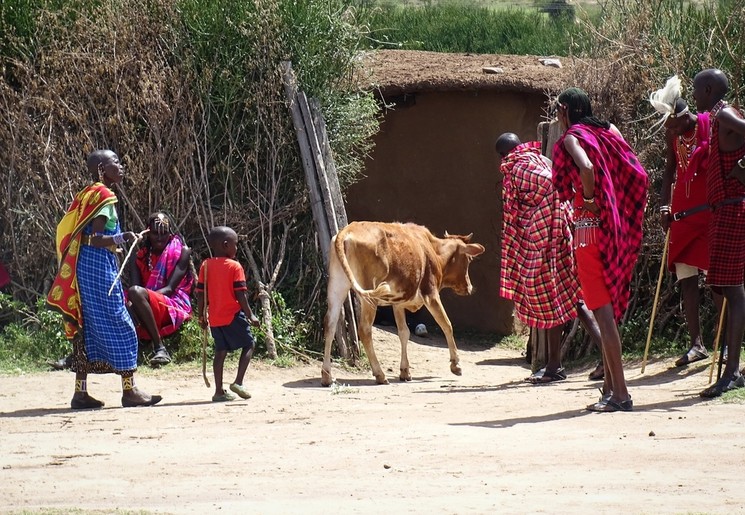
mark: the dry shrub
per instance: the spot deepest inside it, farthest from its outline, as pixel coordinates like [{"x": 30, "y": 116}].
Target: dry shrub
[
  {"x": 189, "y": 94},
  {"x": 98, "y": 79}
]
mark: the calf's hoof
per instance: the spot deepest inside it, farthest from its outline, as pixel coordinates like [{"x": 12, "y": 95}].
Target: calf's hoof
[
  {"x": 381, "y": 379},
  {"x": 455, "y": 369},
  {"x": 326, "y": 378},
  {"x": 405, "y": 375}
]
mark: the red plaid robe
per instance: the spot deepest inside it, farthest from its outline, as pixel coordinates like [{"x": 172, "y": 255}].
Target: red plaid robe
[
  {"x": 621, "y": 194},
  {"x": 537, "y": 271},
  {"x": 727, "y": 227}
]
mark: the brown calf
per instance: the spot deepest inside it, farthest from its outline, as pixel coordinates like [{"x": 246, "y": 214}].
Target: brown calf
[{"x": 402, "y": 265}]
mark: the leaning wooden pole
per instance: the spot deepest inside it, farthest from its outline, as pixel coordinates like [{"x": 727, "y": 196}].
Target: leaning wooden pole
[
  {"x": 716, "y": 340},
  {"x": 656, "y": 299},
  {"x": 326, "y": 202}
]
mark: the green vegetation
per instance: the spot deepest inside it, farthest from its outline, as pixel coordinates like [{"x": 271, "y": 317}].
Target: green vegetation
[{"x": 471, "y": 27}]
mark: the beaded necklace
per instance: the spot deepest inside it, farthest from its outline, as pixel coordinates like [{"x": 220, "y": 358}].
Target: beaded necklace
[
  {"x": 713, "y": 115},
  {"x": 684, "y": 149}
]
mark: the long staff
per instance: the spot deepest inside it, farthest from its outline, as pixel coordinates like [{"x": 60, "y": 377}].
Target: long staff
[
  {"x": 205, "y": 331},
  {"x": 716, "y": 340},
  {"x": 126, "y": 258},
  {"x": 663, "y": 264}
]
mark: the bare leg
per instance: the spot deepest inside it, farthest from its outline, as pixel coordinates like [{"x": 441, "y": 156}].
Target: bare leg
[
  {"x": 553, "y": 371},
  {"x": 587, "y": 319},
  {"x": 691, "y": 303},
  {"x": 243, "y": 362},
  {"x": 140, "y": 306},
  {"x": 217, "y": 367},
  {"x": 735, "y": 325},
  {"x": 554, "y": 349},
  {"x": 614, "y": 378}
]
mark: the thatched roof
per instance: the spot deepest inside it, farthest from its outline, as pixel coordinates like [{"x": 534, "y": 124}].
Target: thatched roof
[{"x": 395, "y": 72}]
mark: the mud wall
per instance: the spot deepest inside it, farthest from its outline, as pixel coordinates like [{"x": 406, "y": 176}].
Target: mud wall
[{"x": 434, "y": 164}]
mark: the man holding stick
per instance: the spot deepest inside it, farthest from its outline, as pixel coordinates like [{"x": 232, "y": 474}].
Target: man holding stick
[{"x": 684, "y": 210}]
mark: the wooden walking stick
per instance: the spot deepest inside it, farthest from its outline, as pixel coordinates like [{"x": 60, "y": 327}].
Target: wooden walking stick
[
  {"x": 716, "y": 340},
  {"x": 205, "y": 331},
  {"x": 126, "y": 258},
  {"x": 656, "y": 298}
]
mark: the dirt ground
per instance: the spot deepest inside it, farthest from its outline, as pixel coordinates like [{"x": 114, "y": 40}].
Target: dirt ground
[{"x": 485, "y": 442}]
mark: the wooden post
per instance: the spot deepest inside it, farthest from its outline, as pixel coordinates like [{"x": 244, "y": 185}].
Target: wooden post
[{"x": 327, "y": 205}]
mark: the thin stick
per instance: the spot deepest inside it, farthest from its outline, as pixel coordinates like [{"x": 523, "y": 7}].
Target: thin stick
[
  {"x": 716, "y": 340},
  {"x": 205, "y": 335},
  {"x": 126, "y": 258},
  {"x": 663, "y": 264}
]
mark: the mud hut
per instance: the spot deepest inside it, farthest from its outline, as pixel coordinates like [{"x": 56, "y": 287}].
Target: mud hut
[{"x": 434, "y": 161}]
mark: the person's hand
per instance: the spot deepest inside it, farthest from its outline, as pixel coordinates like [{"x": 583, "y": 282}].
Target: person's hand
[
  {"x": 737, "y": 173},
  {"x": 591, "y": 207},
  {"x": 254, "y": 321},
  {"x": 202, "y": 322},
  {"x": 665, "y": 220},
  {"x": 129, "y": 236}
]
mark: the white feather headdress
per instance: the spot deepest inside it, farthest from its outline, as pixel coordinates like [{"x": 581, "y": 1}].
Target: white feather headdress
[{"x": 663, "y": 101}]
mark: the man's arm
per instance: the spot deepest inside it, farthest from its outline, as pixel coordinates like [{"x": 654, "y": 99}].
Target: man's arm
[
  {"x": 732, "y": 137},
  {"x": 242, "y": 297},
  {"x": 586, "y": 171},
  {"x": 179, "y": 271}
]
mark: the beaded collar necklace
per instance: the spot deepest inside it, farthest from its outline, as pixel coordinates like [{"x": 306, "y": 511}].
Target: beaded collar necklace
[{"x": 713, "y": 115}]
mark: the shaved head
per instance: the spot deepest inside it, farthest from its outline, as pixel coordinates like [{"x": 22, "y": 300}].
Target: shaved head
[
  {"x": 709, "y": 87},
  {"x": 506, "y": 142}
]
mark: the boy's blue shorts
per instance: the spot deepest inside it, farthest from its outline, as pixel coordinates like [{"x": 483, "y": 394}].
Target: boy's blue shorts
[{"x": 235, "y": 336}]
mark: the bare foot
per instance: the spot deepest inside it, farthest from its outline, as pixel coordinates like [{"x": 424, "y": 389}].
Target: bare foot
[{"x": 136, "y": 397}]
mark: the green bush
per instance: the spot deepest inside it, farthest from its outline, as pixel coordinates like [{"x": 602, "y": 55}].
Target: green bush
[{"x": 33, "y": 337}]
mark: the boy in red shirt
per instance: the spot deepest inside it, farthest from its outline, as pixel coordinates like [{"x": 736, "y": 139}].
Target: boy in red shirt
[{"x": 223, "y": 282}]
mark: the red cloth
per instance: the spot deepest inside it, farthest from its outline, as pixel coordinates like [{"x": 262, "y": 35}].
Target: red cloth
[
  {"x": 620, "y": 193},
  {"x": 537, "y": 271},
  {"x": 727, "y": 227},
  {"x": 590, "y": 272},
  {"x": 159, "y": 305},
  {"x": 224, "y": 277},
  {"x": 689, "y": 237}
]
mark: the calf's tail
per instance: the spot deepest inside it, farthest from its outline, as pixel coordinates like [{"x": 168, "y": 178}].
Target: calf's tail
[{"x": 382, "y": 292}]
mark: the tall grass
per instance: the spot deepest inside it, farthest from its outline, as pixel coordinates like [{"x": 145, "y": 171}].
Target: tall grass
[{"x": 462, "y": 27}]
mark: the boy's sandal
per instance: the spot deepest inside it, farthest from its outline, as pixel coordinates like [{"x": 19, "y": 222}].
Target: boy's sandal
[
  {"x": 223, "y": 397},
  {"x": 240, "y": 391}
]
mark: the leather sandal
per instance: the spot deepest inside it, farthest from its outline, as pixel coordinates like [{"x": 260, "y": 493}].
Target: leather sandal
[{"x": 161, "y": 357}]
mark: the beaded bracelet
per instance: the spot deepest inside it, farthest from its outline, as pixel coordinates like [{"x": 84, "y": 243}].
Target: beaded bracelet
[{"x": 118, "y": 238}]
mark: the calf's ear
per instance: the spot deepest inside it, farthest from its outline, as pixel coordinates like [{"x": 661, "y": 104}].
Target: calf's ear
[{"x": 474, "y": 249}]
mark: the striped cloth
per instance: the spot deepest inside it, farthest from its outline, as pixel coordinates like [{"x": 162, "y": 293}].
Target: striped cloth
[
  {"x": 727, "y": 228},
  {"x": 109, "y": 334},
  {"x": 537, "y": 271},
  {"x": 621, "y": 194}
]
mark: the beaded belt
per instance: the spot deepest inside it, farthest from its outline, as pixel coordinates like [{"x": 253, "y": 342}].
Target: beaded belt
[
  {"x": 585, "y": 232},
  {"x": 86, "y": 240}
]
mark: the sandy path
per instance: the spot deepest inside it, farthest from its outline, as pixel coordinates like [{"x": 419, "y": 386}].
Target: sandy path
[{"x": 485, "y": 442}]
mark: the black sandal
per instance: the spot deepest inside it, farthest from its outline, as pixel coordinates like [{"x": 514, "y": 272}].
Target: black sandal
[
  {"x": 724, "y": 384},
  {"x": 161, "y": 357}
]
